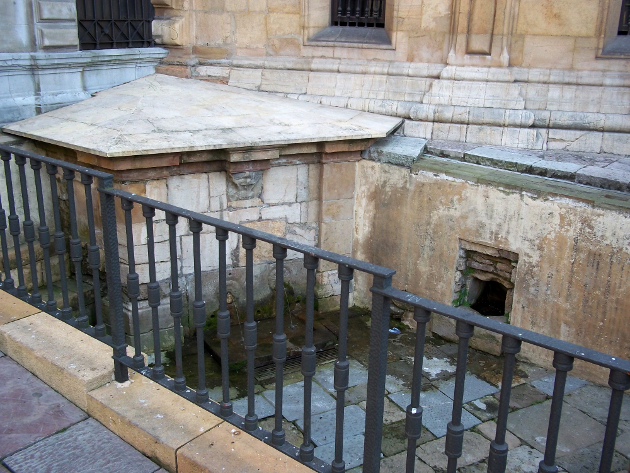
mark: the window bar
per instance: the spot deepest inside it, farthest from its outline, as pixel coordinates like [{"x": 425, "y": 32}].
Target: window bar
[
  {"x": 133, "y": 285},
  {"x": 199, "y": 313},
  {"x": 60, "y": 245},
  {"x": 413, "y": 423},
  {"x": 94, "y": 257},
  {"x": 251, "y": 333},
  {"x": 455, "y": 429},
  {"x": 563, "y": 364},
  {"x": 14, "y": 226},
  {"x": 619, "y": 381},
  {"x": 497, "y": 460},
  {"x": 377, "y": 362},
  {"x": 8, "y": 284},
  {"x": 44, "y": 235},
  {"x": 342, "y": 366},
  {"x": 223, "y": 323},
  {"x": 307, "y": 450},
  {"x": 76, "y": 251},
  {"x": 153, "y": 290},
  {"x": 176, "y": 302},
  {"x": 279, "y": 344},
  {"x": 29, "y": 233}
]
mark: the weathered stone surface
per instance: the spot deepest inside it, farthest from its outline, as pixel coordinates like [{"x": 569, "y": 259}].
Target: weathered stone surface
[
  {"x": 399, "y": 150},
  {"x": 524, "y": 396},
  {"x": 391, "y": 412},
  {"x": 87, "y": 446},
  {"x": 12, "y": 308},
  {"x": 155, "y": 420},
  {"x": 546, "y": 384},
  {"x": 352, "y": 451},
  {"x": 475, "y": 449},
  {"x": 30, "y": 410},
  {"x": 262, "y": 407},
  {"x": 555, "y": 169},
  {"x": 293, "y": 400},
  {"x": 485, "y": 408},
  {"x": 325, "y": 375},
  {"x": 524, "y": 459},
  {"x": 398, "y": 463},
  {"x": 395, "y": 439},
  {"x": 501, "y": 158},
  {"x": 587, "y": 460},
  {"x": 605, "y": 178},
  {"x": 623, "y": 444},
  {"x": 489, "y": 431},
  {"x": 474, "y": 388},
  {"x": 594, "y": 401},
  {"x": 323, "y": 425}
]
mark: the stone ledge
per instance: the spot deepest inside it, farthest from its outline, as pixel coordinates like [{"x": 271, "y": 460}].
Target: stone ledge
[
  {"x": 12, "y": 309},
  {"x": 398, "y": 150}
]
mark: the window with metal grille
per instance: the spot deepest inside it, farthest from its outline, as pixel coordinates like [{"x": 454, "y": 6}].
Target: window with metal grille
[
  {"x": 624, "y": 18},
  {"x": 365, "y": 13},
  {"x": 110, "y": 24}
]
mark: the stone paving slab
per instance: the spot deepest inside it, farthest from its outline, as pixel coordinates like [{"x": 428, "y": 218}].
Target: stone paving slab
[
  {"x": 12, "y": 308},
  {"x": 501, "y": 158},
  {"x": 474, "y": 388},
  {"x": 86, "y": 446},
  {"x": 524, "y": 395},
  {"x": 262, "y": 408},
  {"x": 595, "y": 400},
  {"x": 395, "y": 149},
  {"x": 395, "y": 439},
  {"x": 475, "y": 449},
  {"x": 352, "y": 451},
  {"x": 391, "y": 412},
  {"x": 556, "y": 169},
  {"x": 397, "y": 464},
  {"x": 623, "y": 444},
  {"x": 577, "y": 430},
  {"x": 323, "y": 426},
  {"x": 606, "y": 178},
  {"x": 29, "y": 409},
  {"x": 486, "y": 408},
  {"x": 325, "y": 375},
  {"x": 587, "y": 460},
  {"x": 293, "y": 400},
  {"x": 546, "y": 384},
  {"x": 489, "y": 431}
]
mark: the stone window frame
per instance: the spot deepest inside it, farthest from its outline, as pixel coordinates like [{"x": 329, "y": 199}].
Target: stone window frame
[{"x": 611, "y": 45}]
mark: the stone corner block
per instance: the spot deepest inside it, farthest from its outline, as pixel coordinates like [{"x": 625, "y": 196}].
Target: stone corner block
[
  {"x": 12, "y": 308},
  {"x": 156, "y": 421},
  {"x": 227, "y": 448},
  {"x": 398, "y": 150},
  {"x": 501, "y": 158},
  {"x": 66, "y": 359}
]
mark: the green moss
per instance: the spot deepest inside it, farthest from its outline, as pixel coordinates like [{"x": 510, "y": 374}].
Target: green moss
[
  {"x": 237, "y": 366},
  {"x": 462, "y": 298}
]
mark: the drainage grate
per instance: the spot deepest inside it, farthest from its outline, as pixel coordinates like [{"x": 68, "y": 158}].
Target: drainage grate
[{"x": 267, "y": 373}]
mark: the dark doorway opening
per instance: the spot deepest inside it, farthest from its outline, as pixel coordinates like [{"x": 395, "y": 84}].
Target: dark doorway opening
[{"x": 491, "y": 299}]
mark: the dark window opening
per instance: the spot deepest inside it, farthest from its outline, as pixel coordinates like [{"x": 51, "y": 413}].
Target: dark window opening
[
  {"x": 491, "y": 299},
  {"x": 110, "y": 24},
  {"x": 358, "y": 13},
  {"x": 624, "y": 18}
]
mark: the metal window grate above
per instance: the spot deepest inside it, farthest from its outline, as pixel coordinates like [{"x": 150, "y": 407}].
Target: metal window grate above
[
  {"x": 110, "y": 24},
  {"x": 362, "y": 13},
  {"x": 624, "y": 19}
]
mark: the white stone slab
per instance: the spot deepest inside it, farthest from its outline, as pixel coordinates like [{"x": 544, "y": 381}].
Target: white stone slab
[
  {"x": 164, "y": 114},
  {"x": 293, "y": 400},
  {"x": 324, "y": 425}
]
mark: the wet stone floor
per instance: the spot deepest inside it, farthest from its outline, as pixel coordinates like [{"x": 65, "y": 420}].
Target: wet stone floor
[{"x": 582, "y": 428}]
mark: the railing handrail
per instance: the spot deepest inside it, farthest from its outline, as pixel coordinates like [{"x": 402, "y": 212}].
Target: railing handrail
[{"x": 303, "y": 248}]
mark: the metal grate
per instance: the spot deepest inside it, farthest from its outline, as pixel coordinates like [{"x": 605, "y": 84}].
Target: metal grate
[
  {"x": 110, "y": 24},
  {"x": 624, "y": 19},
  {"x": 365, "y": 13}
]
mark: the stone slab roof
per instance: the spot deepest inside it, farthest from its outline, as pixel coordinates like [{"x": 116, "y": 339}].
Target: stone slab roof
[{"x": 163, "y": 114}]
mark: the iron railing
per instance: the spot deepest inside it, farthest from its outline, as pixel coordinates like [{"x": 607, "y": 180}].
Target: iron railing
[
  {"x": 383, "y": 293},
  {"x": 365, "y": 13}
]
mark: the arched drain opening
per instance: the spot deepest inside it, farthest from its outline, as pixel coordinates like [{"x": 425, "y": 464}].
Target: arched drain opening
[{"x": 491, "y": 299}]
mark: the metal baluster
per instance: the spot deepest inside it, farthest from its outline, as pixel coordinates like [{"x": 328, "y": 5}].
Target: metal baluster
[
  {"x": 307, "y": 449},
  {"x": 114, "y": 286},
  {"x": 29, "y": 233},
  {"x": 377, "y": 363},
  {"x": 176, "y": 302},
  {"x": 14, "y": 226},
  {"x": 251, "y": 419},
  {"x": 358, "y": 11},
  {"x": 413, "y": 423},
  {"x": 44, "y": 235},
  {"x": 497, "y": 460},
  {"x": 279, "y": 344},
  {"x": 153, "y": 290},
  {"x": 619, "y": 381},
  {"x": 8, "y": 284},
  {"x": 342, "y": 367},
  {"x": 76, "y": 252},
  {"x": 199, "y": 313},
  {"x": 223, "y": 323},
  {"x": 60, "y": 245},
  {"x": 563, "y": 364},
  {"x": 94, "y": 257},
  {"x": 133, "y": 284},
  {"x": 455, "y": 429}
]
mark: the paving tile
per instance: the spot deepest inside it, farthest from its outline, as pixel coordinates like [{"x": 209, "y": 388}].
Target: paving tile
[
  {"x": 486, "y": 408},
  {"x": 86, "y": 446},
  {"x": 293, "y": 400},
  {"x": 357, "y": 394},
  {"x": 30, "y": 410},
  {"x": 577, "y": 430},
  {"x": 556, "y": 169},
  {"x": 587, "y": 460},
  {"x": 437, "y": 410},
  {"x": 438, "y": 368},
  {"x": 489, "y": 431},
  {"x": 393, "y": 384},
  {"x": 501, "y": 158},
  {"x": 323, "y": 425},
  {"x": 595, "y": 400},
  {"x": 325, "y": 375},
  {"x": 352, "y": 451},
  {"x": 529, "y": 372},
  {"x": 391, "y": 412},
  {"x": 474, "y": 388},
  {"x": 397, "y": 464},
  {"x": 475, "y": 449},
  {"x": 523, "y": 459},
  {"x": 623, "y": 444},
  {"x": 524, "y": 395},
  {"x": 291, "y": 432},
  {"x": 395, "y": 439},
  {"x": 263, "y": 408},
  {"x": 546, "y": 384}
]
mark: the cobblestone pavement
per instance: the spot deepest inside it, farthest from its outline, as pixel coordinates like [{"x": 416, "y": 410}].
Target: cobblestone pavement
[{"x": 41, "y": 431}]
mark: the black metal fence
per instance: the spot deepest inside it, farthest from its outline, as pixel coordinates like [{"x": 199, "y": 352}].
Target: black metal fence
[
  {"x": 383, "y": 293},
  {"x": 362, "y": 13}
]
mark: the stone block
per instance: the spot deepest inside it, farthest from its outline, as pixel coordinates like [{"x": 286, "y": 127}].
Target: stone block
[
  {"x": 209, "y": 246},
  {"x": 288, "y": 82},
  {"x": 280, "y": 185},
  {"x": 293, "y": 400},
  {"x": 335, "y": 210},
  {"x": 242, "y": 215},
  {"x": 604, "y": 178},
  {"x": 399, "y": 150},
  {"x": 290, "y": 213},
  {"x": 323, "y": 425},
  {"x": 339, "y": 181},
  {"x": 12, "y": 308},
  {"x": 352, "y": 451},
  {"x": 154, "y": 420},
  {"x": 264, "y": 251},
  {"x": 416, "y": 129},
  {"x": 500, "y": 158},
  {"x": 489, "y": 431},
  {"x": 246, "y": 78},
  {"x": 57, "y": 11},
  {"x": 572, "y": 140},
  {"x": 616, "y": 143},
  {"x": 337, "y": 236},
  {"x": 302, "y": 184},
  {"x": 226, "y": 448},
  {"x": 475, "y": 449},
  {"x": 556, "y": 169},
  {"x": 65, "y": 358},
  {"x": 251, "y": 29},
  {"x": 398, "y": 463},
  {"x": 57, "y": 36},
  {"x": 284, "y": 6},
  {"x": 190, "y": 191}
]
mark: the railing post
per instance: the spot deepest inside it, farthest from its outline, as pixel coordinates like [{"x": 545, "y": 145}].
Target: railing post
[
  {"x": 377, "y": 368},
  {"x": 114, "y": 286},
  {"x": 619, "y": 381}
]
